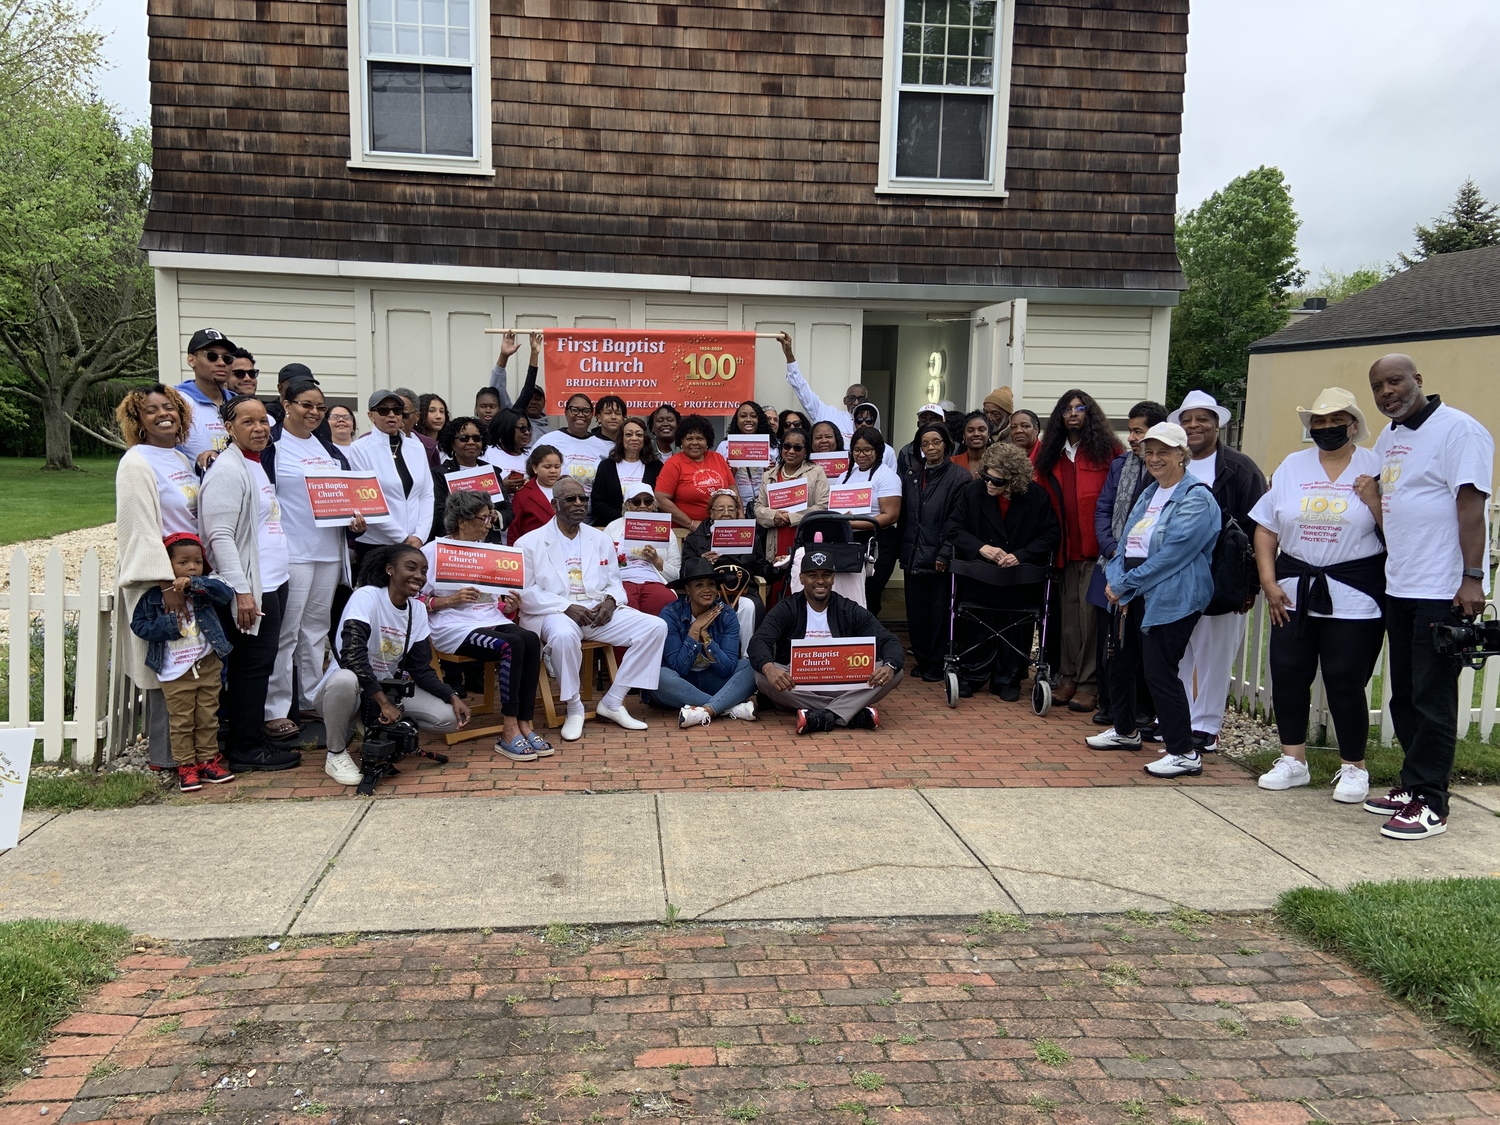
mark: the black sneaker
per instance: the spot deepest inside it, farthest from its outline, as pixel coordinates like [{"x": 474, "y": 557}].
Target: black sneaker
[
  {"x": 868, "y": 719},
  {"x": 1011, "y": 693},
  {"x": 931, "y": 675},
  {"x": 265, "y": 758},
  {"x": 1151, "y": 733},
  {"x": 1205, "y": 743},
  {"x": 815, "y": 720}
]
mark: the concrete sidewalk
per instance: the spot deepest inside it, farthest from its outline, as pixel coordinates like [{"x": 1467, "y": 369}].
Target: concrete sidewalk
[{"x": 232, "y": 870}]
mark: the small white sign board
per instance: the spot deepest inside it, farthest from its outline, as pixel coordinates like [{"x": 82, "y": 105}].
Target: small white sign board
[{"x": 15, "y": 769}]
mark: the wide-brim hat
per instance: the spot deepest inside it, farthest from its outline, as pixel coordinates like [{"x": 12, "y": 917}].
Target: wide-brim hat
[
  {"x": 693, "y": 569},
  {"x": 1168, "y": 433},
  {"x": 1330, "y": 400},
  {"x": 1200, "y": 400}
]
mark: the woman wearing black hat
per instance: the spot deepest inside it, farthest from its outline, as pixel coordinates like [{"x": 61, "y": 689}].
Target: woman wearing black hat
[{"x": 703, "y": 673}]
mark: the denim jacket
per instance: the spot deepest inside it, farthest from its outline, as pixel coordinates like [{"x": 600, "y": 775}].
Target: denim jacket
[
  {"x": 681, "y": 654},
  {"x": 154, "y": 625},
  {"x": 1177, "y": 576}
]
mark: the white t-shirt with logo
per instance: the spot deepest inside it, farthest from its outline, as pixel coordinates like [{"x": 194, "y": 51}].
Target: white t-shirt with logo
[
  {"x": 881, "y": 480},
  {"x": 507, "y": 463},
  {"x": 388, "y": 640},
  {"x": 580, "y": 456},
  {"x": 189, "y": 648},
  {"x": 270, "y": 537},
  {"x": 205, "y": 432},
  {"x": 452, "y": 626},
  {"x": 1421, "y": 471},
  {"x": 817, "y": 625},
  {"x": 573, "y": 566},
  {"x": 1138, "y": 538},
  {"x": 1323, "y": 522},
  {"x": 295, "y": 459},
  {"x": 177, "y": 485}
]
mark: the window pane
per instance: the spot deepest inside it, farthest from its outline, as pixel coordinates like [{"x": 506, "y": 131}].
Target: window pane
[
  {"x": 449, "y": 111},
  {"x": 458, "y": 45},
  {"x": 958, "y": 41},
  {"x": 380, "y": 11},
  {"x": 919, "y": 120},
  {"x": 395, "y": 107},
  {"x": 435, "y": 42},
  {"x": 407, "y": 11},
  {"x": 943, "y": 136},
  {"x": 458, "y": 14},
  {"x": 984, "y": 13},
  {"x": 434, "y": 13},
  {"x": 408, "y": 40},
  {"x": 382, "y": 42}
]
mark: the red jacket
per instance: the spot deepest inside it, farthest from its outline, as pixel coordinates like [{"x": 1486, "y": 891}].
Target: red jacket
[
  {"x": 1074, "y": 487},
  {"x": 532, "y": 510}
]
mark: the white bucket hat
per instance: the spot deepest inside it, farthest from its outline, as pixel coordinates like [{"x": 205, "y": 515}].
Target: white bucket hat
[
  {"x": 1331, "y": 400},
  {"x": 1168, "y": 433},
  {"x": 1200, "y": 400}
]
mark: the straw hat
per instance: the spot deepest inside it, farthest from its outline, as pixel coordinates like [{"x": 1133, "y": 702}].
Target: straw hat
[
  {"x": 1331, "y": 400},
  {"x": 1199, "y": 400}
]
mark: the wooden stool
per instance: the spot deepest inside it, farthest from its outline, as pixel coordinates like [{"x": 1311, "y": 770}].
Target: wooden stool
[
  {"x": 486, "y": 705},
  {"x": 586, "y": 689}
]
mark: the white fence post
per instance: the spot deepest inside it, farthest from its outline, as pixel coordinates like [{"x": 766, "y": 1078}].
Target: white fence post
[{"x": 19, "y": 603}]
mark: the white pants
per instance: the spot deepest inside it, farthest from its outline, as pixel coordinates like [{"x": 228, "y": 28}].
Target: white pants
[
  {"x": 745, "y": 612},
  {"x": 340, "y": 699},
  {"x": 642, "y": 636},
  {"x": 1206, "y": 667},
  {"x": 304, "y": 636}
]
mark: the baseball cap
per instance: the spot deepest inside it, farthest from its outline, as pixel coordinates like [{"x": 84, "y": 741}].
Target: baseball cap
[
  {"x": 815, "y": 560},
  {"x": 380, "y": 396},
  {"x": 206, "y": 336},
  {"x": 934, "y": 408},
  {"x": 294, "y": 371}
]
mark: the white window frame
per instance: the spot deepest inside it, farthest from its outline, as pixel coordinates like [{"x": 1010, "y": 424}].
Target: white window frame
[
  {"x": 362, "y": 156},
  {"x": 890, "y": 92}
]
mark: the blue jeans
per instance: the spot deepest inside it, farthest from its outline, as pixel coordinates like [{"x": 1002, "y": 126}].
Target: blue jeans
[{"x": 705, "y": 688}]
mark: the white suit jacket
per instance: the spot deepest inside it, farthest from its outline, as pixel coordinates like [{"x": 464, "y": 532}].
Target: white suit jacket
[{"x": 547, "y": 582}]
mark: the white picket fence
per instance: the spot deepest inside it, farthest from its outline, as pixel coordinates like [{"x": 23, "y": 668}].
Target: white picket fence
[
  {"x": 1250, "y": 687},
  {"x": 80, "y": 734}
]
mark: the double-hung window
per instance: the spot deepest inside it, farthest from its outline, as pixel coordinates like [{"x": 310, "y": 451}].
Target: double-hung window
[
  {"x": 420, "y": 90},
  {"x": 945, "y": 96}
]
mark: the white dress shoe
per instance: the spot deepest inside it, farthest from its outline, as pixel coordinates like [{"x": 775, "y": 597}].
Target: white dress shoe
[
  {"x": 619, "y": 716},
  {"x": 572, "y": 728}
]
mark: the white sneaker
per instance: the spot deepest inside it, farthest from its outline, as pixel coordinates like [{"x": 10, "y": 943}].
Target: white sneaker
[
  {"x": 1175, "y": 765},
  {"x": 342, "y": 769},
  {"x": 1351, "y": 785},
  {"x": 620, "y": 717},
  {"x": 1114, "y": 740},
  {"x": 1287, "y": 773},
  {"x": 694, "y": 717},
  {"x": 572, "y": 728},
  {"x": 745, "y": 710}
]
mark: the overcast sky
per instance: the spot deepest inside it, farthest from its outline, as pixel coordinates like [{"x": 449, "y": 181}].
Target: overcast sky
[{"x": 1376, "y": 110}]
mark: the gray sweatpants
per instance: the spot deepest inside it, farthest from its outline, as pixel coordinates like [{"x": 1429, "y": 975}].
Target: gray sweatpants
[
  {"x": 845, "y": 704},
  {"x": 340, "y": 701}
]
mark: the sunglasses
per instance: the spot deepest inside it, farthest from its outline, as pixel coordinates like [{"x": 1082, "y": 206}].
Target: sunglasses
[
  {"x": 792, "y": 447},
  {"x": 993, "y": 482},
  {"x": 253, "y": 373},
  {"x": 219, "y": 357},
  {"x": 388, "y": 411},
  {"x": 640, "y": 501},
  {"x": 311, "y": 407},
  {"x": 467, "y": 437}
]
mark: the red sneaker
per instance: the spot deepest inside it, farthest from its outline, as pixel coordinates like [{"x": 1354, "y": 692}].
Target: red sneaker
[
  {"x": 214, "y": 771},
  {"x": 188, "y": 780},
  {"x": 1389, "y": 805},
  {"x": 1414, "y": 822}
]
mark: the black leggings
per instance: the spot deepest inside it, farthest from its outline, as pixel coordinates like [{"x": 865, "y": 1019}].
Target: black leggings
[
  {"x": 887, "y": 551},
  {"x": 1346, "y": 651},
  {"x": 1155, "y": 654},
  {"x": 519, "y": 653},
  {"x": 248, "y": 674}
]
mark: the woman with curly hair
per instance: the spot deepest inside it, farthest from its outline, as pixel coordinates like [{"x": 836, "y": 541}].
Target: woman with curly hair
[
  {"x": 1003, "y": 518},
  {"x": 1072, "y": 464},
  {"x": 460, "y": 444},
  {"x": 748, "y": 418}
]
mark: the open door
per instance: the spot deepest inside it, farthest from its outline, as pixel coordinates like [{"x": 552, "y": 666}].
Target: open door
[{"x": 997, "y": 351}]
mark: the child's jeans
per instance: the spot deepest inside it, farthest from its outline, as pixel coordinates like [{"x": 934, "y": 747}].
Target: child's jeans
[{"x": 193, "y": 712}]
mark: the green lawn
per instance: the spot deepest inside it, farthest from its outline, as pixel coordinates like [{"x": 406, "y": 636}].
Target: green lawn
[
  {"x": 91, "y": 791},
  {"x": 1429, "y": 943},
  {"x": 45, "y": 967},
  {"x": 38, "y": 505}
]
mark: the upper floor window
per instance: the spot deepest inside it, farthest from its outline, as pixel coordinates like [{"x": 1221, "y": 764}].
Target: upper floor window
[
  {"x": 945, "y": 96},
  {"x": 420, "y": 93}
]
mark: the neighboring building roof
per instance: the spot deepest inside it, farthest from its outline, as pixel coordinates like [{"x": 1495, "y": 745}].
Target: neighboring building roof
[{"x": 1448, "y": 295}]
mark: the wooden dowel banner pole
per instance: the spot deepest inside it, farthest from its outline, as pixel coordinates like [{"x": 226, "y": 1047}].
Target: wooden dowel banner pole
[{"x": 529, "y": 331}]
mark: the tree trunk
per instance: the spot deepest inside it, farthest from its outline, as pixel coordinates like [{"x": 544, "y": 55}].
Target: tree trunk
[{"x": 59, "y": 435}]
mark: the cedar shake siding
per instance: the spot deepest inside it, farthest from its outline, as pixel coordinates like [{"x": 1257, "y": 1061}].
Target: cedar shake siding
[{"x": 707, "y": 138}]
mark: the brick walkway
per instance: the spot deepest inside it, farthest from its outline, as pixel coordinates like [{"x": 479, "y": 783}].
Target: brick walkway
[
  {"x": 1074, "y": 1021},
  {"x": 983, "y": 742}
]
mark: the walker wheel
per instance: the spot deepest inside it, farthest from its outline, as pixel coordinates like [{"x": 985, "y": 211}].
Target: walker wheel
[
  {"x": 1041, "y": 696},
  {"x": 950, "y": 683}
]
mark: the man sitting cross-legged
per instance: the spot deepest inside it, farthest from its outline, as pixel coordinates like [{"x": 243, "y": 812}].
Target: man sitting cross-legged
[
  {"x": 813, "y": 614},
  {"x": 573, "y": 594}
]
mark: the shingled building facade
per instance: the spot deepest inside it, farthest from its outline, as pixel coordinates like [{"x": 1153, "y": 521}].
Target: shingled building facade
[{"x": 937, "y": 196}]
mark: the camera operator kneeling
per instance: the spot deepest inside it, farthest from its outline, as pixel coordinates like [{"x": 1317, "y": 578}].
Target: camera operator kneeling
[{"x": 383, "y": 637}]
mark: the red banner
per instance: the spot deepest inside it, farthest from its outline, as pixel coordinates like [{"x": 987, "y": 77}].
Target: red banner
[
  {"x": 336, "y": 498},
  {"x": 852, "y": 500},
  {"x": 834, "y": 465},
  {"x": 485, "y": 566},
  {"x": 698, "y": 372},
  {"x": 481, "y": 478},
  {"x": 735, "y": 537},
  {"x": 840, "y": 661}
]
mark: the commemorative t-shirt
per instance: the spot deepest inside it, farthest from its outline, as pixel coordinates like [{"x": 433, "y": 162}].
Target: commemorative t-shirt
[
  {"x": 690, "y": 483},
  {"x": 452, "y": 626},
  {"x": 507, "y": 463},
  {"x": 270, "y": 537},
  {"x": 882, "y": 482},
  {"x": 1322, "y": 522},
  {"x": 580, "y": 456},
  {"x": 177, "y": 485},
  {"x": 817, "y": 625},
  {"x": 205, "y": 430},
  {"x": 1138, "y": 538},
  {"x": 295, "y": 459},
  {"x": 189, "y": 648},
  {"x": 388, "y": 641},
  {"x": 1421, "y": 471}
]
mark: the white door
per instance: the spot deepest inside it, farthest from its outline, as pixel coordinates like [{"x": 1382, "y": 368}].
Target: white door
[
  {"x": 432, "y": 340},
  {"x": 997, "y": 350}
]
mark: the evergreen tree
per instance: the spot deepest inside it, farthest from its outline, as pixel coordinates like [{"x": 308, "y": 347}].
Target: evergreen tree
[{"x": 1470, "y": 223}]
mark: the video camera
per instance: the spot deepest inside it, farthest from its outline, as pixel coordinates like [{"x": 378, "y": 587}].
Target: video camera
[
  {"x": 1469, "y": 640},
  {"x": 387, "y": 743}
]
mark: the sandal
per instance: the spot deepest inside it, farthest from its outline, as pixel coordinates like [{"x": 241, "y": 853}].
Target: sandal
[
  {"x": 539, "y": 744},
  {"x": 516, "y": 749},
  {"x": 281, "y": 730}
]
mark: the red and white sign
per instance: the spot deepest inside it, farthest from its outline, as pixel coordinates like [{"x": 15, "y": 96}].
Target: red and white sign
[
  {"x": 733, "y": 537},
  {"x": 485, "y": 566},
  {"x": 787, "y": 495},
  {"x": 748, "y": 451},
  {"x": 702, "y": 372},
  {"x": 647, "y": 529},
  {"x": 337, "y": 497},
  {"x": 842, "y": 662},
  {"x": 834, "y": 465},
  {"x": 851, "y": 499},
  {"x": 481, "y": 478}
]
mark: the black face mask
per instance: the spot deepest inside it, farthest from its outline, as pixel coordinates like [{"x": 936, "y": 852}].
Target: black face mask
[{"x": 1331, "y": 438}]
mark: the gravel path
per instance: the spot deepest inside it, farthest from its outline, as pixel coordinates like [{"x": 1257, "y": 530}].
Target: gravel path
[{"x": 74, "y": 544}]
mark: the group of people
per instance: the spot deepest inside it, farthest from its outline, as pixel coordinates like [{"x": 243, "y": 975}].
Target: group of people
[{"x": 222, "y": 560}]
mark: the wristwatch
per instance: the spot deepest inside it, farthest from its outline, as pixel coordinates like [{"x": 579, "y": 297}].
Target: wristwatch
[{"x": 1474, "y": 572}]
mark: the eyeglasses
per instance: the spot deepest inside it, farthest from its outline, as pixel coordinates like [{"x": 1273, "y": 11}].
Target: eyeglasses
[
  {"x": 1079, "y": 409},
  {"x": 581, "y": 411},
  {"x": 218, "y": 357},
  {"x": 467, "y": 437},
  {"x": 311, "y": 407},
  {"x": 388, "y": 411}
]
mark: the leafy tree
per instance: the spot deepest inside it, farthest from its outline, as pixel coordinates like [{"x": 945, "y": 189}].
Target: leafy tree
[
  {"x": 1470, "y": 223},
  {"x": 1338, "y": 286},
  {"x": 76, "y": 293},
  {"x": 1239, "y": 251}
]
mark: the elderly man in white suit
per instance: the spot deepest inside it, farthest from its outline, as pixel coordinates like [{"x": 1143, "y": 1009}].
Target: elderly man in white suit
[{"x": 573, "y": 594}]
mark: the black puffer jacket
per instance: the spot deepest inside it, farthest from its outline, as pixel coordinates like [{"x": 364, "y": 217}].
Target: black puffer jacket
[{"x": 927, "y": 496}]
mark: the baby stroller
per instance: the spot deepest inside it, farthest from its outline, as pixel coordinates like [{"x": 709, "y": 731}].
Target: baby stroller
[
  {"x": 1008, "y": 629},
  {"x": 833, "y": 534}
]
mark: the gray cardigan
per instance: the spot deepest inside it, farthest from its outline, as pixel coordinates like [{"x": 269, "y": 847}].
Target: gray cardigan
[{"x": 228, "y": 515}]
